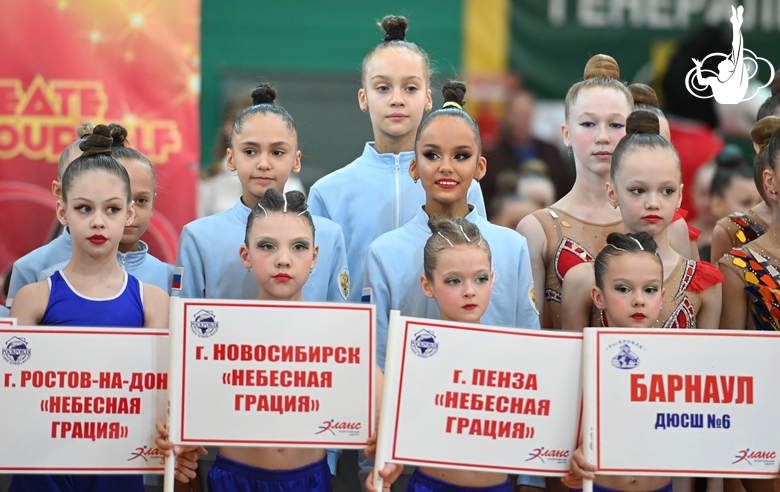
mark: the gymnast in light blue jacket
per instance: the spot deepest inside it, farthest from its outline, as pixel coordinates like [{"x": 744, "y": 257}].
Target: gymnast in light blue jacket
[
  {"x": 263, "y": 152},
  {"x": 374, "y": 194},
  {"x": 447, "y": 159}
]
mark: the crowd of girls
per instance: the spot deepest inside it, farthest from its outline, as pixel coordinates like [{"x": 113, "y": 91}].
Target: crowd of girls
[{"x": 403, "y": 226}]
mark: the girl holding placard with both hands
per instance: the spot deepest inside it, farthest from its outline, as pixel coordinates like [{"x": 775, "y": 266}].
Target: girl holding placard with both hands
[
  {"x": 280, "y": 252},
  {"x": 92, "y": 289},
  {"x": 629, "y": 290},
  {"x": 645, "y": 182},
  {"x": 458, "y": 274}
]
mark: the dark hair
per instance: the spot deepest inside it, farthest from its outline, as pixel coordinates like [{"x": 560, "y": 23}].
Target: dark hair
[
  {"x": 446, "y": 233},
  {"x": 771, "y": 107},
  {"x": 773, "y": 150},
  {"x": 395, "y": 27},
  {"x": 275, "y": 201},
  {"x": 642, "y": 131},
  {"x": 600, "y": 71},
  {"x": 760, "y": 134},
  {"x": 645, "y": 98},
  {"x": 730, "y": 164},
  {"x": 263, "y": 102},
  {"x": 67, "y": 155},
  {"x": 618, "y": 244},
  {"x": 96, "y": 156},
  {"x": 454, "y": 93},
  {"x": 119, "y": 150}
]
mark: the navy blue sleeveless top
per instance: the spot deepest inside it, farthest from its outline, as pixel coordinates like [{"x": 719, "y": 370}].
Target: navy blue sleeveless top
[{"x": 67, "y": 307}]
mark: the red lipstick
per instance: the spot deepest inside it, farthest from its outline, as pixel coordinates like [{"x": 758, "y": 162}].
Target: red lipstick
[
  {"x": 639, "y": 316},
  {"x": 651, "y": 218},
  {"x": 470, "y": 307},
  {"x": 97, "y": 239},
  {"x": 447, "y": 184},
  {"x": 282, "y": 277}
]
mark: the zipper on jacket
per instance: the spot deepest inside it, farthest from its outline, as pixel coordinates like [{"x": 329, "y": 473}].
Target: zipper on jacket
[
  {"x": 123, "y": 256},
  {"x": 397, "y": 191}
]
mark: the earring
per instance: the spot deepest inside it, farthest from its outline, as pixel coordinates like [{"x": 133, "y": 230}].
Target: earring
[
  {"x": 415, "y": 180},
  {"x": 569, "y": 150},
  {"x": 773, "y": 192},
  {"x": 363, "y": 108}
]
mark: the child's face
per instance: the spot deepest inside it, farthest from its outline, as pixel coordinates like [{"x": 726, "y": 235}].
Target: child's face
[
  {"x": 647, "y": 188},
  {"x": 633, "y": 291},
  {"x": 395, "y": 93},
  {"x": 461, "y": 283},
  {"x": 740, "y": 195},
  {"x": 263, "y": 153},
  {"x": 281, "y": 254},
  {"x": 447, "y": 159},
  {"x": 597, "y": 122},
  {"x": 142, "y": 188},
  {"x": 96, "y": 212}
]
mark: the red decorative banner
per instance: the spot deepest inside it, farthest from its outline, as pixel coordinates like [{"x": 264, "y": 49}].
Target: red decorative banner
[{"x": 67, "y": 62}]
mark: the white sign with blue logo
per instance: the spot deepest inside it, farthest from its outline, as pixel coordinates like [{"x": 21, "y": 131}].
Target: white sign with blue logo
[
  {"x": 479, "y": 397},
  {"x": 681, "y": 402},
  {"x": 257, "y": 373},
  {"x": 81, "y": 400}
]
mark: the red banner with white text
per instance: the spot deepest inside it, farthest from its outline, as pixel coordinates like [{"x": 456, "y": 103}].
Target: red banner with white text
[{"x": 67, "y": 62}]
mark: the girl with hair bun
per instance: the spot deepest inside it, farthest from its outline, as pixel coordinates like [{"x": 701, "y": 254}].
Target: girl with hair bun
[
  {"x": 740, "y": 228},
  {"x": 92, "y": 289},
  {"x": 645, "y": 183},
  {"x": 263, "y": 152},
  {"x": 447, "y": 160},
  {"x": 575, "y": 228},
  {"x": 27, "y": 269},
  {"x": 457, "y": 274},
  {"x": 279, "y": 251},
  {"x": 133, "y": 253},
  {"x": 375, "y": 194}
]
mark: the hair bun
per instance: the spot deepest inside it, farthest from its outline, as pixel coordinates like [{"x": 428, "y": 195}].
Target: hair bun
[
  {"x": 454, "y": 91},
  {"x": 395, "y": 27},
  {"x": 763, "y": 129},
  {"x": 642, "y": 121},
  {"x": 84, "y": 130},
  {"x": 601, "y": 66},
  {"x": 730, "y": 157},
  {"x": 643, "y": 94},
  {"x": 118, "y": 134},
  {"x": 99, "y": 142},
  {"x": 263, "y": 94}
]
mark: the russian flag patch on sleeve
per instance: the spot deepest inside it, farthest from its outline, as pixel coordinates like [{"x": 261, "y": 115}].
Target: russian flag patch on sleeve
[
  {"x": 367, "y": 294},
  {"x": 178, "y": 273}
]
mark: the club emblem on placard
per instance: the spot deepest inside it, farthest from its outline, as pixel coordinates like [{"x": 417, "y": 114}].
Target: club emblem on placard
[
  {"x": 735, "y": 70},
  {"x": 17, "y": 351},
  {"x": 424, "y": 343},
  {"x": 626, "y": 359},
  {"x": 204, "y": 324},
  {"x": 763, "y": 457}
]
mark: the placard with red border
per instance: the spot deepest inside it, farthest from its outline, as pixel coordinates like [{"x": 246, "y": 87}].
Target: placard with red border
[
  {"x": 683, "y": 402},
  {"x": 255, "y": 373},
  {"x": 82, "y": 400},
  {"x": 480, "y": 397}
]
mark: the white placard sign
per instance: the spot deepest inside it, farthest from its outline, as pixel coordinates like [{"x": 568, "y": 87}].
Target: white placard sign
[
  {"x": 254, "y": 373},
  {"x": 682, "y": 402},
  {"x": 82, "y": 400},
  {"x": 7, "y": 321},
  {"x": 480, "y": 397}
]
